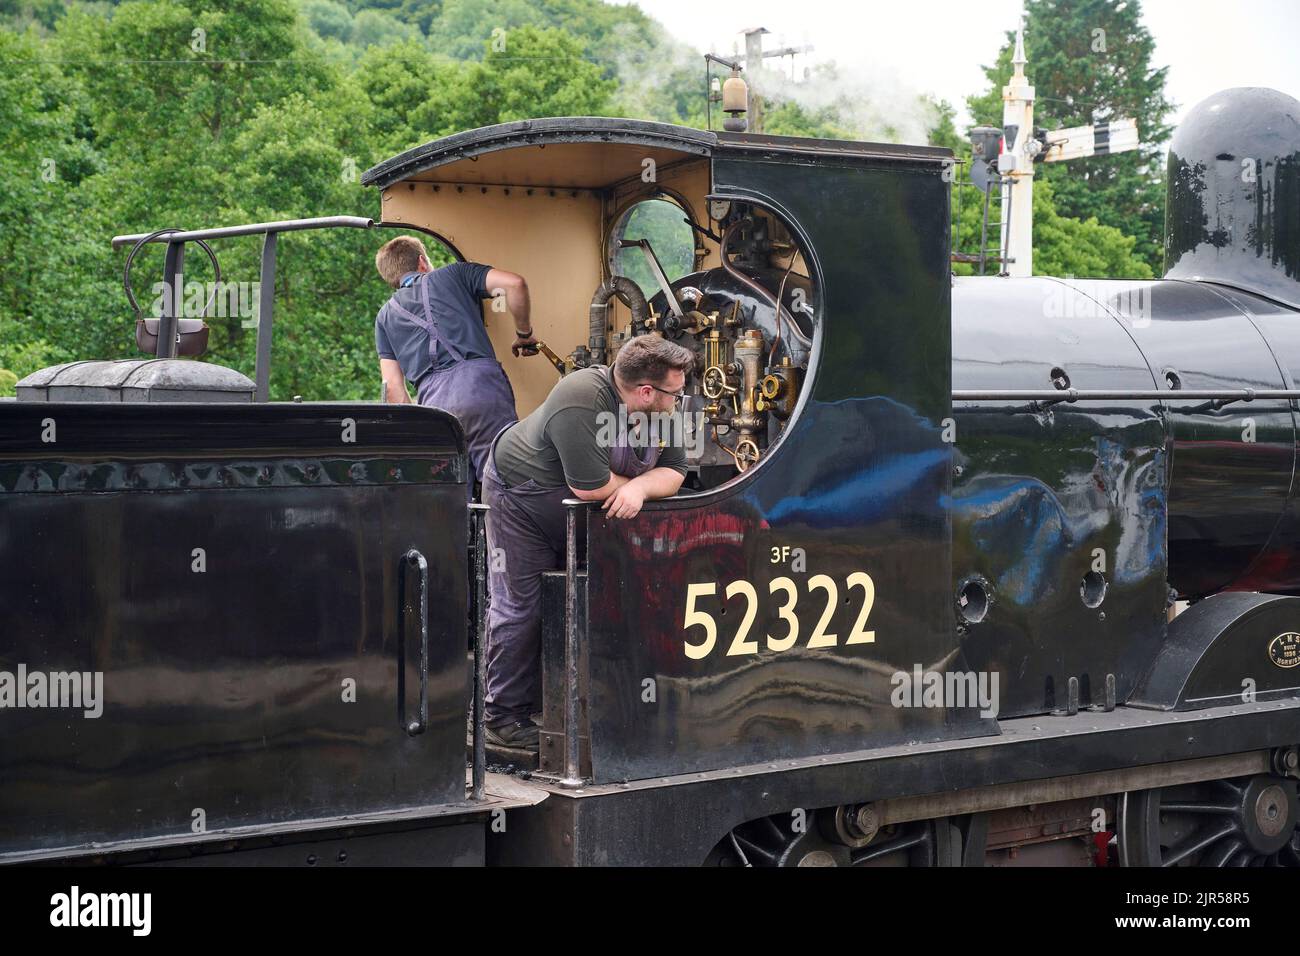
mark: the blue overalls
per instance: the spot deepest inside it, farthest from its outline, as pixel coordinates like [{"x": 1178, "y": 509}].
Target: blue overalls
[
  {"x": 475, "y": 390},
  {"x": 525, "y": 527}
]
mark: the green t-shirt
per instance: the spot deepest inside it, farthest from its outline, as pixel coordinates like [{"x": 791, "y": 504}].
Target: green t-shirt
[{"x": 566, "y": 440}]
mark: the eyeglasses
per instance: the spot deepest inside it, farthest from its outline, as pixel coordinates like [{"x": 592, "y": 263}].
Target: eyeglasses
[{"x": 678, "y": 397}]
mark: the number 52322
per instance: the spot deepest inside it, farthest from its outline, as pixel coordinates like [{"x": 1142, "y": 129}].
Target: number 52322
[{"x": 701, "y": 642}]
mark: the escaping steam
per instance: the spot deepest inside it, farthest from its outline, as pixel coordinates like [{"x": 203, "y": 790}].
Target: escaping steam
[{"x": 662, "y": 78}]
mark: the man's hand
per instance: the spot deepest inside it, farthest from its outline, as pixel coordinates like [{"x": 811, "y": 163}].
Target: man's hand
[
  {"x": 626, "y": 502},
  {"x": 523, "y": 345}
]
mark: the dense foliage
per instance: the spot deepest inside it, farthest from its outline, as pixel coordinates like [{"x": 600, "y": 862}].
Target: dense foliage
[
  {"x": 1090, "y": 61},
  {"x": 126, "y": 117}
]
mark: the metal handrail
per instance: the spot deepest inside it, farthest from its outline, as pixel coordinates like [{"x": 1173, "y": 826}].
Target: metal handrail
[
  {"x": 477, "y": 515},
  {"x": 266, "y": 280},
  {"x": 252, "y": 229},
  {"x": 1217, "y": 397},
  {"x": 572, "y": 704},
  {"x": 1137, "y": 394}
]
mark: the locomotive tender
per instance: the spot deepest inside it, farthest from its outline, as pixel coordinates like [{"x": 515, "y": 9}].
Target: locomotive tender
[{"x": 917, "y": 604}]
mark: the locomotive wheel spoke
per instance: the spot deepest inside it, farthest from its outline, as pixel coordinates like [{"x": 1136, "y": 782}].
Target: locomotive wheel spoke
[
  {"x": 753, "y": 850},
  {"x": 1196, "y": 842},
  {"x": 1290, "y": 854},
  {"x": 1228, "y": 785},
  {"x": 776, "y": 832},
  {"x": 1196, "y": 807},
  {"x": 1222, "y": 854}
]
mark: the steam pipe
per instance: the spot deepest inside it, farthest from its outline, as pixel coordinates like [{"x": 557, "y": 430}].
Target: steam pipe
[{"x": 630, "y": 294}]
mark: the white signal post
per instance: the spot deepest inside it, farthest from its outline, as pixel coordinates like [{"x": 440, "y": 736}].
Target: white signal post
[
  {"x": 1017, "y": 163},
  {"x": 1021, "y": 149}
]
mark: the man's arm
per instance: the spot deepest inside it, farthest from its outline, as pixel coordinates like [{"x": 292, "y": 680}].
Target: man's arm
[
  {"x": 515, "y": 291},
  {"x": 604, "y": 491},
  {"x": 389, "y": 369},
  {"x": 394, "y": 382},
  {"x": 626, "y": 501}
]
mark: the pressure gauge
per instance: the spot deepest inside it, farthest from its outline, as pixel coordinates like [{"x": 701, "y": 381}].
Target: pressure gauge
[{"x": 718, "y": 209}]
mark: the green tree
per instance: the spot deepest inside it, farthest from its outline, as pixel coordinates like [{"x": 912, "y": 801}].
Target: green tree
[
  {"x": 1090, "y": 61},
  {"x": 374, "y": 28},
  {"x": 297, "y": 158},
  {"x": 398, "y": 82},
  {"x": 944, "y": 130},
  {"x": 151, "y": 113},
  {"x": 52, "y": 268},
  {"x": 536, "y": 72},
  {"x": 328, "y": 18},
  {"x": 1062, "y": 245},
  {"x": 1085, "y": 248}
]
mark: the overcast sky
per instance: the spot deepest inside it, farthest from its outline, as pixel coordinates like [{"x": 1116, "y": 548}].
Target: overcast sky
[{"x": 938, "y": 45}]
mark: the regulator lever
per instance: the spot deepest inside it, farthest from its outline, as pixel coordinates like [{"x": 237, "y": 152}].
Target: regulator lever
[{"x": 657, "y": 271}]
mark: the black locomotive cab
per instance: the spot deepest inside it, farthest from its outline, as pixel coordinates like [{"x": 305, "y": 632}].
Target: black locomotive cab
[
  {"x": 917, "y": 597},
  {"x": 760, "y": 612}
]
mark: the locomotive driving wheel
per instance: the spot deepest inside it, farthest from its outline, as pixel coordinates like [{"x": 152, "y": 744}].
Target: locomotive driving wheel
[
  {"x": 819, "y": 839},
  {"x": 1245, "y": 821}
]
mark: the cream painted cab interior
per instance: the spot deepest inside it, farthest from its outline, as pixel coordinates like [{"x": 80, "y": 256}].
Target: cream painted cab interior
[{"x": 555, "y": 213}]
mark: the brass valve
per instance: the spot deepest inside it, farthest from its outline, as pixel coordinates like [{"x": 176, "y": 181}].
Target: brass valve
[
  {"x": 716, "y": 382},
  {"x": 779, "y": 389},
  {"x": 747, "y": 454}
]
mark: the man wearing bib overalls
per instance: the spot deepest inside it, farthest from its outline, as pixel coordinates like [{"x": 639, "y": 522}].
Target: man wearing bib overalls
[
  {"x": 567, "y": 449},
  {"x": 431, "y": 333}
]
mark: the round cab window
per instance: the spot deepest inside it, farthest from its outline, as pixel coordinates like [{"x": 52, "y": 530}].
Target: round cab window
[{"x": 662, "y": 223}]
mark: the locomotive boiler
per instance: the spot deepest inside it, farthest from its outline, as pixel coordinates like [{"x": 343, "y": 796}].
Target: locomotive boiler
[{"x": 961, "y": 568}]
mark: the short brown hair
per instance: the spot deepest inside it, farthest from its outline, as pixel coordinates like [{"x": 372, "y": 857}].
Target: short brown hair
[
  {"x": 399, "y": 256},
  {"x": 649, "y": 358}
]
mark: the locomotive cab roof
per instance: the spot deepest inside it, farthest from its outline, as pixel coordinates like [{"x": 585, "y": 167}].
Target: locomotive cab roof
[
  {"x": 594, "y": 152},
  {"x": 547, "y": 199}
]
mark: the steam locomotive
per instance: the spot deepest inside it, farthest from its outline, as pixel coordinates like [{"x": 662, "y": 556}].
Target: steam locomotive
[{"x": 976, "y": 571}]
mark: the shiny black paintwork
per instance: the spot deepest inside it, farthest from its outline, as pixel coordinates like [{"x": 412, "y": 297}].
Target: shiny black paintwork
[
  {"x": 1179, "y": 490},
  {"x": 1232, "y": 213},
  {"x": 1279, "y": 568},
  {"x": 1214, "y": 643},
  {"x": 224, "y": 690},
  {"x": 860, "y": 481},
  {"x": 1040, "y": 494},
  {"x": 1232, "y": 467}
]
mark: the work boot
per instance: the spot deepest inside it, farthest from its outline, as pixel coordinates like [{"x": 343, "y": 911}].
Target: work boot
[{"x": 517, "y": 734}]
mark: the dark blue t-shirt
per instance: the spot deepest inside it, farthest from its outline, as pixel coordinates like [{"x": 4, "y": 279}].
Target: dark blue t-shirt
[{"x": 455, "y": 295}]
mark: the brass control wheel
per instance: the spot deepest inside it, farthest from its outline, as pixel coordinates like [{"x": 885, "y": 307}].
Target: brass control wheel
[
  {"x": 747, "y": 454},
  {"x": 714, "y": 382}
]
